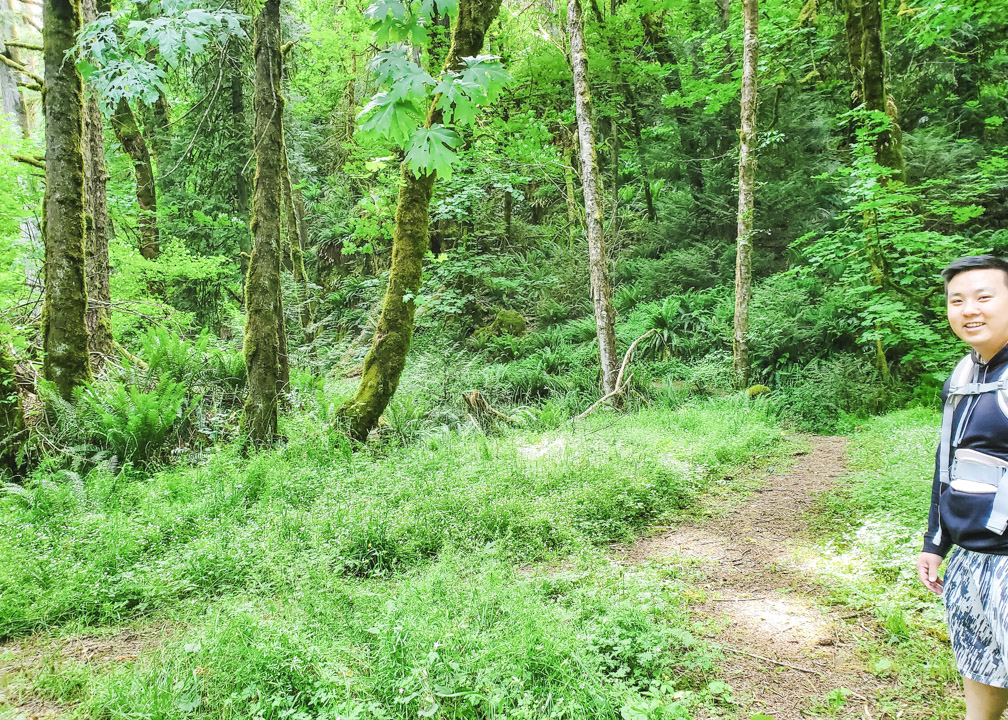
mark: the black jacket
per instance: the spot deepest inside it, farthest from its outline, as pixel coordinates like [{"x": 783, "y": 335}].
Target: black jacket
[{"x": 979, "y": 422}]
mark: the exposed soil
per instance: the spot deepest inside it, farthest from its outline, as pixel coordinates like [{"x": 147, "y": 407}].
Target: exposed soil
[
  {"x": 24, "y": 659},
  {"x": 784, "y": 652}
]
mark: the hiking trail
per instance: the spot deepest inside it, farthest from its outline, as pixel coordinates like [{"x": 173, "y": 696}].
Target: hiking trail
[{"x": 785, "y": 651}]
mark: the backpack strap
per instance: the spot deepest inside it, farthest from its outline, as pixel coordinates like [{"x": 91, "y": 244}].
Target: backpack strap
[{"x": 958, "y": 389}]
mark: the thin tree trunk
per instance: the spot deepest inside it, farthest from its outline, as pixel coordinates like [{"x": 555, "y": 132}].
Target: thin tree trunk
[
  {"x": 65, "y": 332},
  {"x": 572, "y": 214},
  {"x": 99, "y": 316},
  {"x": 385, "y": 361},
  {"x": 262, "y": 287},
  {"x": 124, "y": 123},
  {"x": 295, "y": 225},
  {"x": 747, "y": 179},
  {"x": 12, "y": 426},
  {"x": 597, "y": 261}
]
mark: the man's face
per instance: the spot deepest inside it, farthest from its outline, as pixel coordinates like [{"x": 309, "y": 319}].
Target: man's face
[{"x": 977, "y": 303}]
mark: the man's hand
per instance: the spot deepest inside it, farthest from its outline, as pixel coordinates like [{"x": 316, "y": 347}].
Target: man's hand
[{"x": 927, "y": 571}]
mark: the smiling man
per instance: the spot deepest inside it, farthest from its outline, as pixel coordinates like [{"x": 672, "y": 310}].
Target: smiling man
[{"x": 969, "y": 496}]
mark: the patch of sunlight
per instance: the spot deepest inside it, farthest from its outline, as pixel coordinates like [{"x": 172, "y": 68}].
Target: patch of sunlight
[
  {"x": 546, "y": 448},
  {"x": 786, "y": 619}
]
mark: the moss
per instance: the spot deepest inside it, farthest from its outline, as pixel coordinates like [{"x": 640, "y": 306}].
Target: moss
[
  {"x": 262, "y": 286},
  {"x": 64, "y": 338},
  {"x": 754, "y": 391},
  {"x": 507, "y": 322}
]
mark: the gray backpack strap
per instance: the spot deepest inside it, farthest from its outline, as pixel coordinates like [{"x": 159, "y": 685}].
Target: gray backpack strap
[{"x": 956, "y": 384}]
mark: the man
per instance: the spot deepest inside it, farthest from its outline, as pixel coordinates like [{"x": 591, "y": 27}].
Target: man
[{"x": 969, "y": 496}]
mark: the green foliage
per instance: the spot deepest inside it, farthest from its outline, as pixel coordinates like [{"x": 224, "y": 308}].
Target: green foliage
[
  {"x": 115, "y": 59},
  {"x": 134, "y": 425}
]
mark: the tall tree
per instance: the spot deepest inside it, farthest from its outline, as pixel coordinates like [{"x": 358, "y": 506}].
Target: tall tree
[
  {"x": 64, "y": 341},
  {"x": 11, "y": 102},
  {"x": 747, "y": 178},
  {"x": 96, "y": 260},
  {"x": 262, "y": 286},
  {"x": 131, "y": 137},
  {"x": 888, "y": 143},
  {"x": 598, "y": 272},
  {"x": 385, "y": 361}
]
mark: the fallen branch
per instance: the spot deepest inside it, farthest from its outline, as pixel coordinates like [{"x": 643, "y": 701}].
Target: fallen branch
[
  {"x": 621, "y": 384},
  {"x": 769, "y": 660}
]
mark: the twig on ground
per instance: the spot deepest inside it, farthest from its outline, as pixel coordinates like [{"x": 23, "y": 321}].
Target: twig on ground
[{"x": 729, "y": 648}]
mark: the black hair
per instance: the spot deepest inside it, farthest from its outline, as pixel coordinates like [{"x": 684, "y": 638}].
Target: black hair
[{"x": 975, "y": 262}]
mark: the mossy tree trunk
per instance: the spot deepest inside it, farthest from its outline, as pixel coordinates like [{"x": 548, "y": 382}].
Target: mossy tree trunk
[
  {"x": 262, "y": 286},
  {"x": 133, "y": 142},
  {"x": 747, "y": 181},
  {"x": 384, "y": 363},
  {"x": 888, "y": 144},
  {"x": 598, "y": 272},
  {"x": 65, "y": 341},
  {"x": 12, "y": 427},
  {"x": 98, "y": 318}
]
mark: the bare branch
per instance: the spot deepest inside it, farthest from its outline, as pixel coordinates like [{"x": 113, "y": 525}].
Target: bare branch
[{"x": 621, "y": 385}]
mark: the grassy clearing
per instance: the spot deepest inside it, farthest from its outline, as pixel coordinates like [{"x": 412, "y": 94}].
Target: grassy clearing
[
  {"x": 870, "y": 564},
  {"x": 307, "y": 582}
]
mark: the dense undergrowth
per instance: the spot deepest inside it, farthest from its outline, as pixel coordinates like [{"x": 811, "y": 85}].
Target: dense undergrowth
[{"x": 309, "y": 581}]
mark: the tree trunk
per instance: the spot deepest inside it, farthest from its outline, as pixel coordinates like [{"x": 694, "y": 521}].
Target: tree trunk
[
  {"x": 12, "y": 426},
  {"x": 65, "y": 341},
  {"x": 295, "y": 226},
  {"x": 385, "y": 361},
  {"x": 99, "y": 316},
  {"x": 597, "y": 262},
  {"x": 125, "y": 125},
  {"x": 11, "y": 102},
  {"x": 888, "y": 144},
  {"x": 262, "y": 287},
  {"x": 747, "y": 179}
]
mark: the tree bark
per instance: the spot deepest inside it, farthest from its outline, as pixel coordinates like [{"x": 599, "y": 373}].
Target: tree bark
[
  {"x": 598, "y": 271},
  {"x": 65, "y": 341},
  {"x": 124, "y": 123},
  {"x": 262, "y": 287},
  {"x": 888, "y": 144},
  {"x": 747, "y": 179},
  {"x": 12, "y": 426},
  {"x": 96, "y": 259},
  {"x": 385, "y": 361}
]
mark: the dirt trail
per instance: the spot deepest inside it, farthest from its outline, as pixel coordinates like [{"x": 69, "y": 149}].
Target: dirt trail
[{"x": 784, "y": 653}]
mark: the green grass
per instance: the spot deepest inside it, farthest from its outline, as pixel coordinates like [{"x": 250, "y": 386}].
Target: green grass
[
  {"x": 874, "y": 523},
  {"x": 306, "y": 582}
]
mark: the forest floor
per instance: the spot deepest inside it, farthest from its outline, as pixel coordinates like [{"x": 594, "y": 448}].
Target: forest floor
[{"x": 788, "y": 653}]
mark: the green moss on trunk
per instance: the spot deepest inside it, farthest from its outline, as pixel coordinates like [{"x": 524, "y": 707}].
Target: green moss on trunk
[
  {"x": 134, "y": 143},
  {"x": 385, "y": 361},
  {"x": 262, "y": 286},
  {"x": 64, "y": 331}
]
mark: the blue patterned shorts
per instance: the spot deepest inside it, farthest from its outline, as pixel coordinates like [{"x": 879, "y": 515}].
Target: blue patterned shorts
[{"x": 976, "y": 609}]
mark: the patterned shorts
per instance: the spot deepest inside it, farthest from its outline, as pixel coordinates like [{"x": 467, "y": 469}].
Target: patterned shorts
[{"x": 976, "y": 608}]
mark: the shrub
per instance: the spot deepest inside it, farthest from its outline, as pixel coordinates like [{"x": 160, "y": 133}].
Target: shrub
[{"x": 133, "y": 424}]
